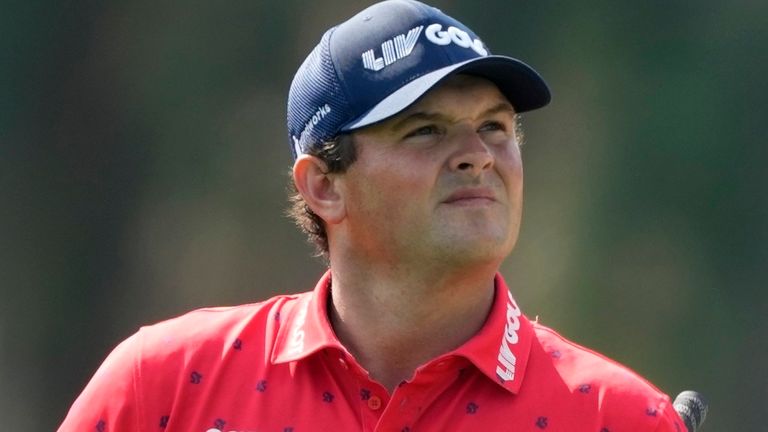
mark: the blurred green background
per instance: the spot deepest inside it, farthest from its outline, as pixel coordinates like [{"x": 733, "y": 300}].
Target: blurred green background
[{"x": 143, "y": 161}]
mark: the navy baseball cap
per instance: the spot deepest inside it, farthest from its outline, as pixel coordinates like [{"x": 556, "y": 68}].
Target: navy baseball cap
[{"x": 382, "y": 60}]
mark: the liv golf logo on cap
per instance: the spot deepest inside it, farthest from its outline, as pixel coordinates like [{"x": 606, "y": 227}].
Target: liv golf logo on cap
[
  {"x": 437, "y": 35},
  {"x": 402, "y": 45},
  {"x": 392, "y": 50}
]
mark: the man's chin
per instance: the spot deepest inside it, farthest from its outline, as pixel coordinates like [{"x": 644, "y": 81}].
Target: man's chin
[{"x": 478, "y": 248}]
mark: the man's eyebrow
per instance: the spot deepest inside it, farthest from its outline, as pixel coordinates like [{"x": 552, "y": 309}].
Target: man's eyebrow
[
  {"x": 501, "y": 107},
  {"x": 415, "y": 116}
]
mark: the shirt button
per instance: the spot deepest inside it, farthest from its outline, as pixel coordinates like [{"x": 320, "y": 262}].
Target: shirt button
[{"x": 374, "y": 403}]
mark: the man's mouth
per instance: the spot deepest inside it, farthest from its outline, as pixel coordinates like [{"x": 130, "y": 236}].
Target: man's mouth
[{"x": 471, "y": 196}]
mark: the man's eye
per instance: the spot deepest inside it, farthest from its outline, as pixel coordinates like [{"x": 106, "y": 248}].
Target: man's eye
[
  {"x": 424, "y": 130},
  {"x": 492, "y": 126}
]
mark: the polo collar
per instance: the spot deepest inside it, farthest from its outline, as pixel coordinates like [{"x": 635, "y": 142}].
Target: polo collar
[
  {"x": 306, "y": 327},
  {"x": 499, "y": 350}
]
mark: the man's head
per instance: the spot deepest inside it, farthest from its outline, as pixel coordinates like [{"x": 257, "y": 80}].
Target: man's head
[{"x": 375, "y": 66}]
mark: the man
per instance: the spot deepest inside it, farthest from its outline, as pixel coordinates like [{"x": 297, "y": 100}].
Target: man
[{"x": 408, "y": 177}]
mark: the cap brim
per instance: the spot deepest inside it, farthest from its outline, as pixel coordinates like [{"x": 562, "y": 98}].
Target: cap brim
[{"x": 520, "y": 83}]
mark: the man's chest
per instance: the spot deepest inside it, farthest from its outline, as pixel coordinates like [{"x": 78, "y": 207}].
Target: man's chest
[{"x": 321, "y": 397}]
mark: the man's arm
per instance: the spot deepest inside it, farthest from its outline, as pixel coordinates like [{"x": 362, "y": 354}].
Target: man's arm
[{"x": 110, "y": 401}]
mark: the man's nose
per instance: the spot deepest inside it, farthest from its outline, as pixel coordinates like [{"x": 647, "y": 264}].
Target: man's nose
[{"x": 472, "y": 154}]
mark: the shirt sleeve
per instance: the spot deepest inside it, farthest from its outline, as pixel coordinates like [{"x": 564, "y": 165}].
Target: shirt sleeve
[
  {"x": 110, "y": 401},
  {"x": 670, "y": 421}
]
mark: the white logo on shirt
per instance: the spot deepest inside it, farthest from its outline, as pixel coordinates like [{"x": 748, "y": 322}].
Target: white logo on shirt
[
  {"x": 296, "y": 341},
  {"x": 219, "y": 430},
  {"x": 507, "y": 360}
]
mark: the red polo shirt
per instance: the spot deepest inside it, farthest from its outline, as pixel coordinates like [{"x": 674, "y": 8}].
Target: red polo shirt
[{"x": 277, "y": 366}]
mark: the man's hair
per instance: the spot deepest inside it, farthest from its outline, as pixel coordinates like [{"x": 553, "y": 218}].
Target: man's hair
[{"x": 337, "y": 154}]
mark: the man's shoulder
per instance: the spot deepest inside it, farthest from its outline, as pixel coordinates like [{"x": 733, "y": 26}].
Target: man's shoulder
[
  {"x": 582, "y": 363},
  {"x": 614, "y": 389},
  {"x": 209, "y": 330}
]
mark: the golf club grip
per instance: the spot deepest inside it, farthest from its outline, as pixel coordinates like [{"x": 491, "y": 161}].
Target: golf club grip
[{"x": 692, "y": 408}]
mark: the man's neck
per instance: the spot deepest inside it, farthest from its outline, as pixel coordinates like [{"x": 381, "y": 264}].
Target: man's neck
[{"x": 393, "y": 322}]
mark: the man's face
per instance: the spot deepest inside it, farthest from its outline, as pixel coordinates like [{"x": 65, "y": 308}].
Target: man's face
[{"x": 441, "y": 182}]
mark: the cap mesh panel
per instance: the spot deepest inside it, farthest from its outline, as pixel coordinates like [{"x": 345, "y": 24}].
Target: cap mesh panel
[{"x": 315, "y": 86}]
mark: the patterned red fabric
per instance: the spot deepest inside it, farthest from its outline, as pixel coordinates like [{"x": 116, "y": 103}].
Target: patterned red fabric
[{"x": 278, "y": 366}]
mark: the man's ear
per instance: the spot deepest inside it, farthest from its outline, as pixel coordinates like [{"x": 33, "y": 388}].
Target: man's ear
[{"x": 319, "y": 189}]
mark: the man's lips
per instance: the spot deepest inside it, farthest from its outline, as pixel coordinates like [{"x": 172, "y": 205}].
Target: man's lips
[{"x": 468, "y": 196}]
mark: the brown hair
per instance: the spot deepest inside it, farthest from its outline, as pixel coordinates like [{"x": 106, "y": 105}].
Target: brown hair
[{"x": 338, "y": 154}]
